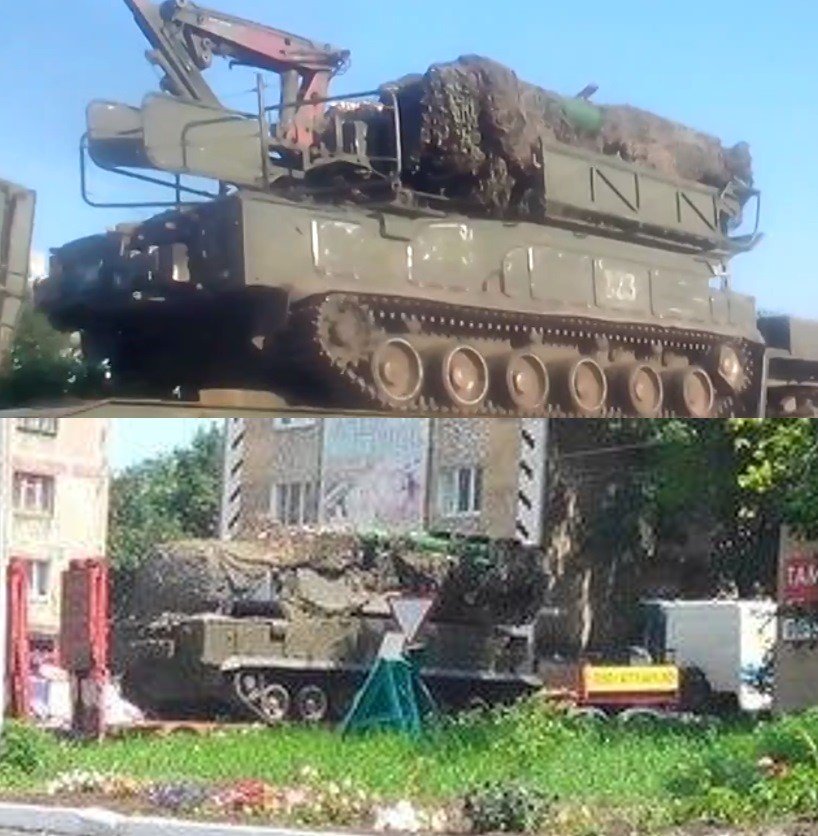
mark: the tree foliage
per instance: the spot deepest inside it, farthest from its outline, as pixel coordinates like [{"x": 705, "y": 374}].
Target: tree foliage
[
  {"x": 745, "y": 477},
  {"x": 776, "y": 469},
  {"x": 45, "y": 365},
  {"x": 169, "y": 497},
  {"x": 656, "y": 482}
]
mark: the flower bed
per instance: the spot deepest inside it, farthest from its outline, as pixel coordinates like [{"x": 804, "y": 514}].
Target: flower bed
[{"x": 312, "y": 802}]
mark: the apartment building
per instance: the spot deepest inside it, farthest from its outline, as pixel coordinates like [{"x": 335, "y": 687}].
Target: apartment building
[
  {"x": 57, "y": 503},
  {"x": 456, "y": 475}
]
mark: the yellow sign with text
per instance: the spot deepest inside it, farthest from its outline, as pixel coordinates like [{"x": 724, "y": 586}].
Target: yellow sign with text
[{"x": 631, "y": 679}]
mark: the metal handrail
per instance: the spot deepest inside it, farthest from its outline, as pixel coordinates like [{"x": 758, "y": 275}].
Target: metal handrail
[
  {"x": 176, "y": 185},
  {"x": 261, "y": 116}
]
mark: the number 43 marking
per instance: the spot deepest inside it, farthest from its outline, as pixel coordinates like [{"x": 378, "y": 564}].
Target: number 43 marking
[{"x": 620, "y": 286}]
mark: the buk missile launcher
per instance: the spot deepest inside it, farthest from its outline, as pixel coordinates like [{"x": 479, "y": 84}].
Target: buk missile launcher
[
  {"x": 405, "y": 251},
  {"x": 275, "y": 669},
  {"x": 290, "y": 631}
]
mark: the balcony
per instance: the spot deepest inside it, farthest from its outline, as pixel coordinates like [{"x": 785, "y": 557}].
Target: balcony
[{"x": 33, "y": 528}]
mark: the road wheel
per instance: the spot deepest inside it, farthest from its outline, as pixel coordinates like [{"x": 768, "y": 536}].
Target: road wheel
[
  {"x": 464, "y": 377},
  {"x": 691, "y": 391},
  {"x": 582, "y": 387},
  {"x": 642, "y": 718},
  {"x": 525, "y": 381},
  {"x": 638, "y": 388},
  {"x": 312, "y": 704},
  {"x": 274, "y": 704},
  {"x": 588, "y": 713},
  {"x": 397, "y": 370}
]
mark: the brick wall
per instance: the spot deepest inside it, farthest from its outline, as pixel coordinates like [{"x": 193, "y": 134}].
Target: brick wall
[
  {"x": 502, "y": 478},
  {"x": 489, "y": 443},
  {"x": 273, "y": 455}
]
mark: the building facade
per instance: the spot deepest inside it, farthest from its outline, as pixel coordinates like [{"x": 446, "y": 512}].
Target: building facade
[
  {"x": 456, "y": 475},
  {"x": 57, "y": 481}
]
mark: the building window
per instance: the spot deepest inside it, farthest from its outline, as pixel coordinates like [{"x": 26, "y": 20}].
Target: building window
[
  {"x": 460, "y": 491},
  {"x": 41, "y": 426},
  {"x": 39, "y": 579},
  {"x": 292, "y": 423},
  {"x": 34, "y": 493},
  {"x": 295, "y": 503}
]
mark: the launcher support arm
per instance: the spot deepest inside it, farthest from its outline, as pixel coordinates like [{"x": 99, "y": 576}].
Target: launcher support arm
[{"x": 185, "y": 37}]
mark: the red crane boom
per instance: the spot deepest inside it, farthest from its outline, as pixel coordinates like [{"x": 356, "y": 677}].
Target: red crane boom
[{"x": 185, "y": 37}]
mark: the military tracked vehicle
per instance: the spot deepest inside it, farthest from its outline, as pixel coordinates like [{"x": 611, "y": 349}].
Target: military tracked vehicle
[
  {"x": 274, "y": 669},
  {"x": 16, "y": 227},
  {"x": 319, "y": 269}
]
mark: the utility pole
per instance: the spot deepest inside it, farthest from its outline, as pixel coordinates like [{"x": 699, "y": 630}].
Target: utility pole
[
  {"x": 6, "y": 425},
  {"x": 232, "y": 476},
  {"x": 532, "y": 481}
]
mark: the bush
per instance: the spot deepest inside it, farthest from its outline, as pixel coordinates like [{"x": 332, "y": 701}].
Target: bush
[
  {"x": 718, "y": 805},
  {"x": 715, "y": 772},
  {"x": 507, "y": 808},
  {"x": 24, "y": 748},
  {"x": 775, "y": 776},
  {"x": 793, "y": 740},
  {"x": 794, "y": 793}
]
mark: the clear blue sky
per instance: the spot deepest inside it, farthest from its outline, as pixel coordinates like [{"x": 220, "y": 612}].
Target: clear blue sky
[
  {"x": 741, "y": 70},
  {"x": 135, "y": 439}
]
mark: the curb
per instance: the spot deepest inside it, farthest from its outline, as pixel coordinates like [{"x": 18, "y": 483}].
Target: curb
[{"x": 69, "y": 821}]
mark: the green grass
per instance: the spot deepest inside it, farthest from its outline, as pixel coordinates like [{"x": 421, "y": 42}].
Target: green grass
[{"x": 669, "y": 773}]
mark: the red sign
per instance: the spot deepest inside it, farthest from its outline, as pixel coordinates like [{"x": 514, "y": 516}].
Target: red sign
[{"x": 801, "y": 579}]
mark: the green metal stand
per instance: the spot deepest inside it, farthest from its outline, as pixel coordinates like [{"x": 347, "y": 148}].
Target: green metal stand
[{"x": 392, "y": 697}]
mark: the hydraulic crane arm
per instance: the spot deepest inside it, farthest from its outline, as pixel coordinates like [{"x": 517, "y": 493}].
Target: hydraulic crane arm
[
  {"x": 170, "y": 53},
  {"x": 185, "y": 37}
]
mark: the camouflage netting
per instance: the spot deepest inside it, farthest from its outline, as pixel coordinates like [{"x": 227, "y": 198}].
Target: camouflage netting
[
  {"x": 472, "y": 129},
  {"x": 338, "y": 573}
]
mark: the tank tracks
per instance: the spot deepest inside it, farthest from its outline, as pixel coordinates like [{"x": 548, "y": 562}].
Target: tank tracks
[
  {"x": 408, "y": 356},
  {"x": 273, "y": 699}
]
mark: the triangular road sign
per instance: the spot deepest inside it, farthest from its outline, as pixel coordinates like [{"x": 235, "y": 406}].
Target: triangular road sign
[{"x": 410, "y": 613}]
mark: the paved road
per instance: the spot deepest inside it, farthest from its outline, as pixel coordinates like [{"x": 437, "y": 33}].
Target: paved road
[
  {"x": 4, "y": 832},
  {"x": 20, "y": 833}
]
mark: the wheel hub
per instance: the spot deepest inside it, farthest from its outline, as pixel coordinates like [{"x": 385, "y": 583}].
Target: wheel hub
[
  {"x": 645, "y": 391},
  {"x": 312, "y": 704},
  {"x": 526, "y": 381},
  {"x": 397, "y": 371},
  {"x": 274, "y": 703},
  {"x": 465, "y": 376},
  {"x": 692, "y": 391},
  {"x": 588, "y": 385},
  {"x": 698, "y": 393}
]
